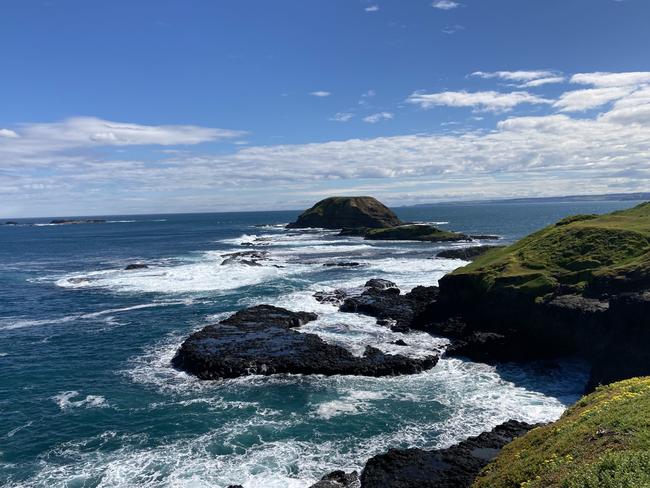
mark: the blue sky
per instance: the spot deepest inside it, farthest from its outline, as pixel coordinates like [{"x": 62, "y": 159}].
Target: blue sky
[{"x": 162, "y": 106}]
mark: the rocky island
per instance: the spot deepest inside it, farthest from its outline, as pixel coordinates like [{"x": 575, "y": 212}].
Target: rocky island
[{"x": 367, "y": 217}]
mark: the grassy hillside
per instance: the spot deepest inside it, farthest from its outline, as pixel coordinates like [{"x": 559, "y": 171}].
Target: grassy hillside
[
  {"x": 583, "y": 253},
  {"x": 603, "y": 441}
]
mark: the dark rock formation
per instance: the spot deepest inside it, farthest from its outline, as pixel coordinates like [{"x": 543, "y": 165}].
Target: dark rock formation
[
  {"x": 136, "y": 266},
  {"x": 399, "y": 342},
  {"x": 335, "y": 297},
  {"x": 414, "y": 232},
  {"x": 248, "y": 258},
  {"x": 262, "y": 340},
  {"x": 342, "y": 264},
  {"x": 11, "y": 222},
  {"x": 465, "y": 253},
  {"x": 384, "y": 301},
  {"x": 380, "y": 284},
  {"x": 339, "y": 479},
  {"x": 510, "y": 327},
  {"x": 485, "y": 237},
  {"x": 454, "y": 467},
  {"x": 347, "y": 212}
]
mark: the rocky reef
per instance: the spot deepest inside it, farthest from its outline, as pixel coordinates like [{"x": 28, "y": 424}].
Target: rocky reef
[
  {"x": 263, "y": 340},
  {"x": 414, "y": 232},
  {"x": 383, "y": 300},
  {"x": 347, "y": 212},
  {"x": 454, "y": 467}
]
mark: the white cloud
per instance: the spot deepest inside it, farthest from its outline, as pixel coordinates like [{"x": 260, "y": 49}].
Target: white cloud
[
  {"x": 320, "y": 93},
  {"x": 452, "y": 29},
  {"x": 372, "y": 8},
  {"x": 378, "y": 117},
  {"x": 445, "y": 4},
  {"x": 87, "y": 132},
  {"x": 8, "y": 133},
  {"x": 603, "y": 79},
  {"x": 520, "y": 76},
  {"x": 491, "y": 101},
  {"x": 543, "y": 81},
  {"x": 369, "y": 94},
  {"x": 632, "y": 109},
  {"x": 580, "y": 100},
  {"x": 520, "y": 156},
  {"x": 342, "y": 117}
]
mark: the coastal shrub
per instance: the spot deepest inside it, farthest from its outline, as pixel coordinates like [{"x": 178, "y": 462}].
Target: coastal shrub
[{"x": 602, "y": 441}]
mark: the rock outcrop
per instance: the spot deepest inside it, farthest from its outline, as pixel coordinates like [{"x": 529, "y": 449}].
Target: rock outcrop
[
  {"x": 347, "y": 212},
  {"x": 454, "y": 467},
  {"x": 339, "y": 479},
  {"x": 466, "y": 253},
  {"x": 384, "y": 301},
  {"x": 574, "y": 288},
  {"x": 263, "y": 340},
  {"x": 414, "y": 232}
]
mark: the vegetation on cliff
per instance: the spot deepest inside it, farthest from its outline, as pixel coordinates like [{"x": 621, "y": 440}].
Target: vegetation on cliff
[
  {"x": 584, "y": 254},
  {"x": 603, "y": 441}
]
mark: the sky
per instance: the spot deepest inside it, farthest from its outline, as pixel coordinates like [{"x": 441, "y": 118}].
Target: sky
[{"x": 156, "y": 106}]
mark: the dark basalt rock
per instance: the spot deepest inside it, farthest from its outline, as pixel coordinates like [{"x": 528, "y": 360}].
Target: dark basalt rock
[
  {"x": 335, "y": 297},
  {"x": 399, "y": 342},
  {"x": 380, "y": 284},
  {"x": 262, "y": 340},
  {"x": 454, "y": 467},
  {"x": 347, "y": 212},
  {"x": 11, "y": 222},
  {"x": 485, "y": 237},
  {"x": 248, "y": 258},
  {"x": 343, "y": 264},
  {"x": 339, "y": 479},
  {"x": 465, "y": 253},
  {"x": 136, "y": 266},
  {"x": 384, "y": 301}
]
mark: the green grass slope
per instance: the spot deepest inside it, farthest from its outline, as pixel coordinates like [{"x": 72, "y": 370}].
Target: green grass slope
[
  {"x": 583, "y": 253},
  {"x": 603, "y": 441}
]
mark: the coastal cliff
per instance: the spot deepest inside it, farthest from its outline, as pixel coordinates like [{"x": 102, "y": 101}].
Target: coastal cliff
[{"x": 579, "y": 286}]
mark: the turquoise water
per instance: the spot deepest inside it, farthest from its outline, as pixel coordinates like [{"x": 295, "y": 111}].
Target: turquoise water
[{"x": 88, "y": 398}]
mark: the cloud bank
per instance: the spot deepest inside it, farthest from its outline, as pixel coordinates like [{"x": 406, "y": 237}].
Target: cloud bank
[{"x": 592, "y": 138}]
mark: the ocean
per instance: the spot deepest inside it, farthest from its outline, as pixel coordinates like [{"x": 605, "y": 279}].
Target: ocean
[{"x": 88, "y": 397}]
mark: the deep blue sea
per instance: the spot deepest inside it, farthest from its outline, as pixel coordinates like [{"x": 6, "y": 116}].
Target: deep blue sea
[{"x": 88, "y": 397}]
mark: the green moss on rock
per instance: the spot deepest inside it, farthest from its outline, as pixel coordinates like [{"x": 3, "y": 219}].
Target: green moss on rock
[{"x": 603, "y": 441}]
